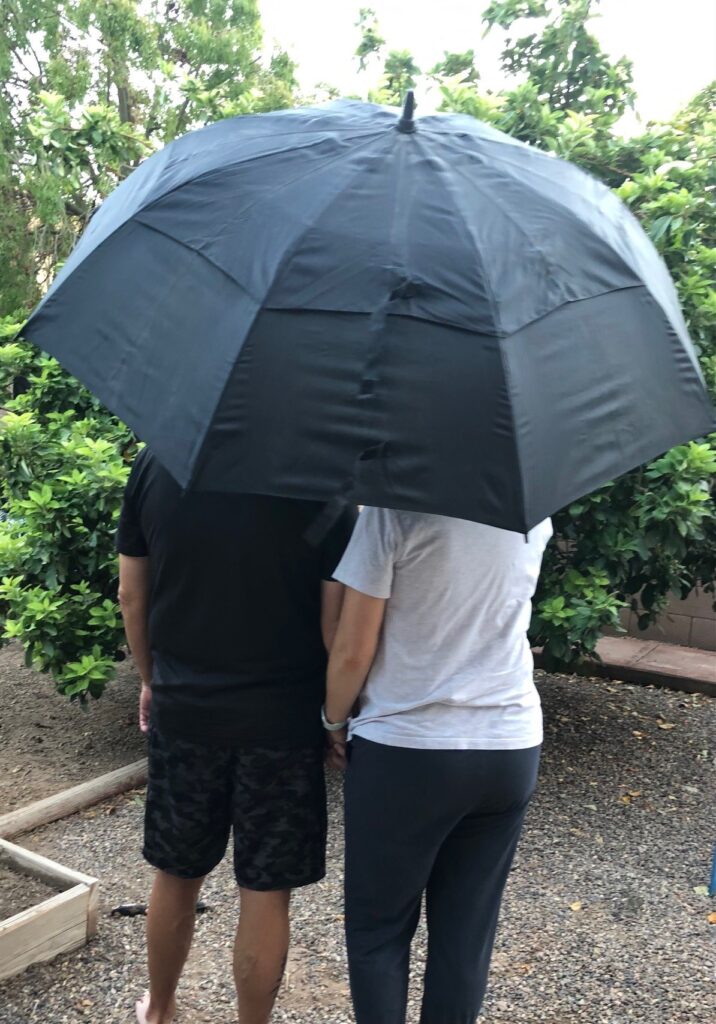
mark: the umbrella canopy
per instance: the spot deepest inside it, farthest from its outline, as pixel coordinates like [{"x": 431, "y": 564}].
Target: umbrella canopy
[{"x": 424, "y": 315}]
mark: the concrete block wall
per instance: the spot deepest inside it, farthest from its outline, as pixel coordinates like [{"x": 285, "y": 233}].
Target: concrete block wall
[{"x": 691, "y": 623}]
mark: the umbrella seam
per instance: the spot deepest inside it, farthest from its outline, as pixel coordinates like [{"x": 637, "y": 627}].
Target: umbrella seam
[
  {"x": 582, "y": 298},
  {"x": 48, "y": 298},
  {"x": 611, "y": 197},
  {"x": 454, "y": 194},
  {"x": 608, "y": 194},
  {"x": 508, "y": 216},
  {"x": 249, "y": 160},
  {"x": 290, "y": 252},
  {"x": 451, "y": 323},
  {"x": 137, "y": 218},
  {"x": 518, "y": 455},
  {"x": 197, "y": 252},
  {"x": 286, "y": 184}
]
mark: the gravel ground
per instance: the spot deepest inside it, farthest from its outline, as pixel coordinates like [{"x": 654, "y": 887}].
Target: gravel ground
[{"x": 601, "y": 921}]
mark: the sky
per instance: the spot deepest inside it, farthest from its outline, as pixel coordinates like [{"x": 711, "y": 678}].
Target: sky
[{"x": 671, "y": 42}]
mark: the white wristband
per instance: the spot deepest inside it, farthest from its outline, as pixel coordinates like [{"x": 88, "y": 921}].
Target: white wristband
[{"x": 331, "y": 726}]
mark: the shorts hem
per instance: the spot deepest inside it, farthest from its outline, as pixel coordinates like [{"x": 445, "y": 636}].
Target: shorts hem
[
  {"x": 170, "y": 869},
  {"x": 288, "y": 886}
]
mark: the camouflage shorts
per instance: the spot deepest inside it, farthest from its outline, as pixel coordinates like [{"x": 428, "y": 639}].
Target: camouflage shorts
[{"x": 275, "y": 800}]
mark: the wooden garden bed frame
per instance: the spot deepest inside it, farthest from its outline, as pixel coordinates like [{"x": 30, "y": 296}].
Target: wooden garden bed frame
[
  {"x": 56, "y": 925},
  {"x": 67, "y": 920},
  {"x": 70, "y": 801}
]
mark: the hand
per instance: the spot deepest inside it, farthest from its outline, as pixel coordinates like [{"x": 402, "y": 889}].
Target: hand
[
  {"x": 145, "y": 704},
  {"x": 336, "y": 756}
]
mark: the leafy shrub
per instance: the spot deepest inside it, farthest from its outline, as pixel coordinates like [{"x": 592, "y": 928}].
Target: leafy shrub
[{"x": 64, "y": 476}]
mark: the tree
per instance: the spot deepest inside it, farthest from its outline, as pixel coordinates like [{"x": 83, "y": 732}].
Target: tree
[
  {"x": 371, "y": 41},
  {"x": 564, "y": 62},
  {"x": 457, "y": 67},
  {"x": 88, "y": 88},
  {"x": 400, "y": 72}
]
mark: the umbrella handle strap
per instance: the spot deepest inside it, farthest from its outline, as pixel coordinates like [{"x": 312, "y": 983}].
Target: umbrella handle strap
[{"x": 327, "y": 518}]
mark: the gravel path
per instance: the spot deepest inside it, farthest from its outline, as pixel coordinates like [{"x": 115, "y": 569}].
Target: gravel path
[{"x": 601, "y": 923}]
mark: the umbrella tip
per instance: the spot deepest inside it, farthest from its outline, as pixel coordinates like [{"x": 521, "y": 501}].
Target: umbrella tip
[{"x": 406, "y": 122}]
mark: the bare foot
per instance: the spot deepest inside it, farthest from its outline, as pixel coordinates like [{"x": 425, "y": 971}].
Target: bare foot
[{"x": 142, "y": 1009}]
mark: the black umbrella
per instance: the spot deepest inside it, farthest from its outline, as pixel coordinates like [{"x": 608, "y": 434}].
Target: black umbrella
[{"x": 425, "y": 315}]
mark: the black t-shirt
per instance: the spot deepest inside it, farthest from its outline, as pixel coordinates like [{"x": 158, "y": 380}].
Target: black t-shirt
[{"x": 234, "y": 619}]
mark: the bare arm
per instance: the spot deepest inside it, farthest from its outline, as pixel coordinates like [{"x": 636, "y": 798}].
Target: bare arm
[
  {"x": 331, "y": 604},
  {"x": 134, "y": 602},
  {"x": 353, "y": 651}
]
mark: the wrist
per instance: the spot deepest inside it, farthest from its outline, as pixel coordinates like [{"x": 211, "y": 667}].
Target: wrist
[{"x": 330, "y": 724}]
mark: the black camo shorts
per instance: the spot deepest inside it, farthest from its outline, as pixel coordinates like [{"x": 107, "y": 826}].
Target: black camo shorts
[{"x": 275, "y": 801}]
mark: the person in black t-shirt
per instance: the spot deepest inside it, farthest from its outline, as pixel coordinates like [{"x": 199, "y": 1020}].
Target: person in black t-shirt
[{"x": 229, "y": 613}]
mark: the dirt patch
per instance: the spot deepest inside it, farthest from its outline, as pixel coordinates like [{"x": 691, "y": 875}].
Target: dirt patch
[
  {"x": 20, "y": 892},
  {"x": 48, "y": 744}
]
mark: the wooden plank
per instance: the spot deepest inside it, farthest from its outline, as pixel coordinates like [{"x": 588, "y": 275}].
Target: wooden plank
[
  {"x": 93, "y": 910},
  {"x": 49, "y": 871},
  {"x": 56, "y": 926},
  {"x": 30, "y": 863},
  {"x": 69, "y": 801}
]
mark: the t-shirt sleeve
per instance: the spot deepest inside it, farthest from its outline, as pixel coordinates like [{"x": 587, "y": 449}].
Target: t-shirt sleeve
[
  {"x": 335, "y": 543},
  {"x": 368, "y": 564},
  {"x": 130, "y": 539}
]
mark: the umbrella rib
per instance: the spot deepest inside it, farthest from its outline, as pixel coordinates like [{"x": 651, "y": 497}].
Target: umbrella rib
[
  {"x": 609, "y": 197},
  {"x": 505, "y": 213},
  {"x": 136, "y": 217},
  {"x": 461, "y": 210},
  {"x": 534, "y": 248},
  {"x": 197, "y": 252},
  {"x": 290, "y": 250},
  {"x": 285, "y": 184},
  {"x": 245, "y": 161},
  {"x": 515, "y": 438},
  {"x": 288, "y": 254},
  {"x": 607, "y": 193},
  {"x": 148, "y": 205},
  {"x": 540, "y": 174}
]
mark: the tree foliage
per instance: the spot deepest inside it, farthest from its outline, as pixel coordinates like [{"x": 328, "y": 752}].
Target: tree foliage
[
  {"x": 371, "y": 41},
  {"x": 88, "y": 88},
  {"x": 563, "y": 61}
]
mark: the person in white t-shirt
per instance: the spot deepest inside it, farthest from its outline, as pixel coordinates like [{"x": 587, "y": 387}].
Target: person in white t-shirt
[{"x": 442, "y": 753}]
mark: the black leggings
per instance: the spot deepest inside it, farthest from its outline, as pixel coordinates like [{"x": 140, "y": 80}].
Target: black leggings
[{"x": 443, "y": 822}]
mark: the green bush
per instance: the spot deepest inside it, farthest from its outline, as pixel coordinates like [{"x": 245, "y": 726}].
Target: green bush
[{"x": 64, "y": 475}]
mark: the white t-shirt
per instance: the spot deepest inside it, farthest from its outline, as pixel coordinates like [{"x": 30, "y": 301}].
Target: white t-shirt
[{"x": 453, "y": 668}]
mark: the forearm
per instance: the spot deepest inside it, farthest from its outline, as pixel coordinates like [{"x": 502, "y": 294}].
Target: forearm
[
  {"x": 331, "y": 604},
  {"x": 353, "y": 652},
  {"x": 136, "y": 628},
  {"x": 346, "y": 679}
]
